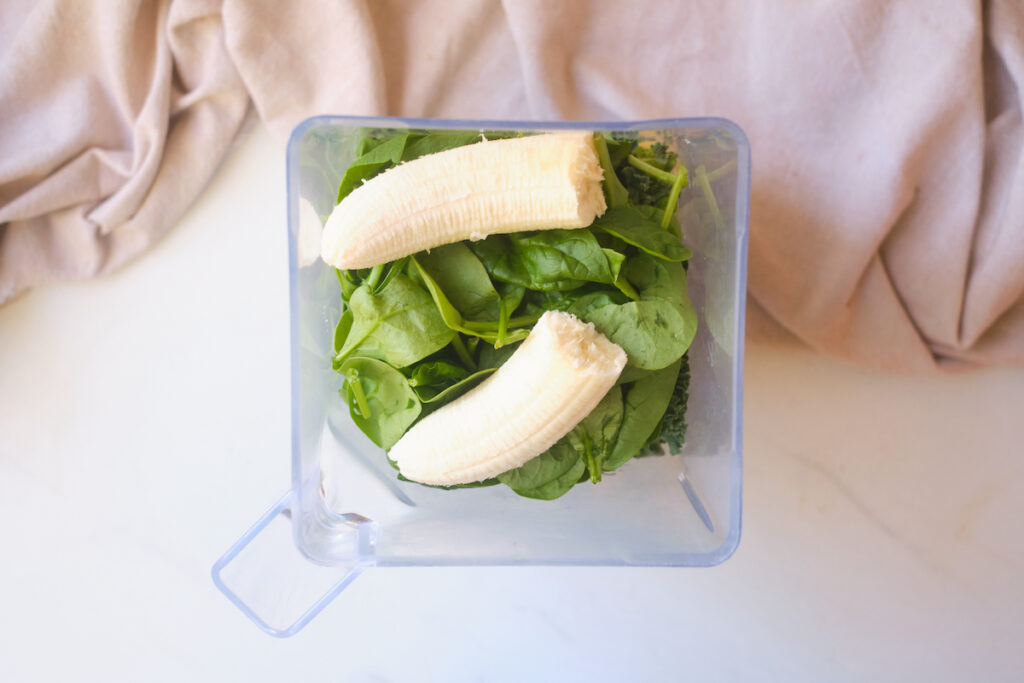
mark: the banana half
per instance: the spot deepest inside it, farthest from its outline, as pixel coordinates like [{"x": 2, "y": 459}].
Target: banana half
[
  {"x": 551, "y": 382},
  {"x": 498, "y": 186}
]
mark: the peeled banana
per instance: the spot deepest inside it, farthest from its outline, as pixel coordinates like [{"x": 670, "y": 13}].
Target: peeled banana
[
  {"x": 551, "y": 382},
  {"x": 497, "y": 186}
]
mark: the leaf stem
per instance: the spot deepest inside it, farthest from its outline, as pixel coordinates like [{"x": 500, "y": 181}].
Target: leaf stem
[
  {"x": 709, "y": 196},
  {"x": 653, "y": 171},
  {"x": 374, "y": 276},
  {"x": 502, "y": 323},
  {"x": 488, "y": 326},
  {"x": 590, "y": 458},
  {"x": 721, "y": 171},
  {"x": 680, "y": 182},
  {"x": 357, "y": 391},
  {"x": 615, "y": 192},
  {"x": 463, "y": 352},
  {"x": 396, "y": 269}
]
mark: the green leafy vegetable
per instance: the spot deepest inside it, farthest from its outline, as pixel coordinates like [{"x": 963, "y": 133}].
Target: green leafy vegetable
[
  {"x": 545, "y": 260},
  {"x": 395, "y": 269},
  {"x": 650, "y": 169},
  {"x": 438, "y": 142},
  {"x": 400, "y": 325},
  {"x": 672, "y": 431},
  {"x": 633, "y": 227},
  {"x": 631, "y": 373},
  {"x": 347, "y": 282},
  {"x": 343, "y": 328},
  {"x": 556, "y": 255},
  {"x": 548, "y": 476},
  {"x": 582, "y": 451},
  {"x": 619, "y": 149},
  {"x": 453, "y": 319},
  {"x": 381, "y": 402},
  {"x": 673, "y": 199},
  {"x": 657, "y": 155},
  {"x": 645, "y": 402},
  {"x": 614, "y": 193},
  {"x": 380, "y": 158},
  {"x": 596, "y": 434},
  {"x": 657, "y": 279},
  {"x": 647, "y": 176},
  {"x": 657, "y": 329},
  {"x": 455, "y": 390},
  {"x": 459, "y": 273},
  {"x": 440, "y": 380},
  {"x": 590, "y": 302},
  {"x": 491, "y": 357},
  {"x": 651, "y": 332},
  {"x": 435, "y": 376}
]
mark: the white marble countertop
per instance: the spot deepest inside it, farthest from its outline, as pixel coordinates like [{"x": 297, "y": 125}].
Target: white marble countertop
[{"x": 144, "y": 426}]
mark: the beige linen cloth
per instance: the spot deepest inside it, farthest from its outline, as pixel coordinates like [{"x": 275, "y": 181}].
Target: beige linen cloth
[{"x": 887, "y": 221}]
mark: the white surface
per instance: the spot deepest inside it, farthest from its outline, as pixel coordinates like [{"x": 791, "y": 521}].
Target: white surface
[{"x": 144, "y": 426}]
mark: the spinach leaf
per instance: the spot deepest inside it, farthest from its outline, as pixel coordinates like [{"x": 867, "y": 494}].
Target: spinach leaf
[
  {"x": 615, "y": 261},
  {"x": 381, "y": 402},
  {"x": 588, "y": 303},
  {"x": 396, "y": 269},
  {"x": 453, "y": 319},
  {"x": 653, "y": 333},
  {"x": 657, "y": 279},
  {"x": 582, "y": 450},
  {"x": 633, "y": 227},
  {"x": 504, "y": 263},
  {"x": 656, "y": 215},
  {"x": 491, "y": 357},
  {"x": 548, "y": 476},
  {"x": 631, "y": 373},
  {"x": 439, "y": 142},
  {"x": 377, "y": 159},
  {"x": 556, "y": 255},
  {"x": 449, "y": 394},
  {"x": 463, "y": 278},
  {"x": 400, "y": 325},
  {"x": 536, "y": 302},
  {"x": 594, "y": 437},
  {"x": 657, "y": 329},
  {"x": 545, "y": 260},
  {"x": 439, "y": 381},
  {"x": 435, "y": 375},
  {"x": 511, "y": 295},
  {"x": 645, "y": 402},
  {"x": 343, "y": 328},
  {"x": 368, "y": 142}
]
